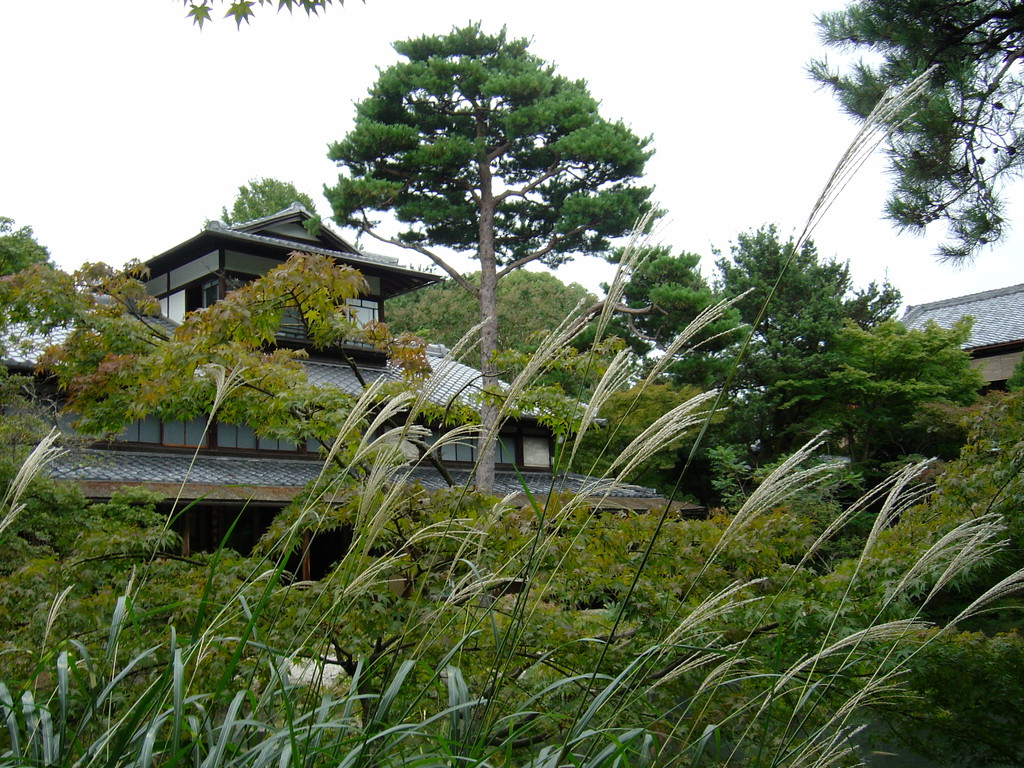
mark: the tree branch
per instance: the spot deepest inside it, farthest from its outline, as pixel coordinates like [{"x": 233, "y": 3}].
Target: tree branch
[
  {"x": 631, "y": 324},
  {"x": 540, "y": 252},
  {"x": 453, "y": 273},
  {"x": 550, "y": 172},
  {"x": 495, "y": 153},
  {"x": 597, "y": 309}
]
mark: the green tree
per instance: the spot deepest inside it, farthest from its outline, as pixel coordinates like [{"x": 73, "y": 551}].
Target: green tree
[
  {"x": 964, "y": 719},
  {"x": 48, "y": 519},
  {"x": 795, "y": 304},
  {"x": 1016, "y": 380},
  {"x": 18, "y": 248},
  {"x": 673, "y": 293},
  {"x": 475, "y": 144},
  {"x": 887, "y": 389},
  {"x": 263, "y": 197},
  {"x": 963, "y": 139},
  {"x": 529, "y": 303}
]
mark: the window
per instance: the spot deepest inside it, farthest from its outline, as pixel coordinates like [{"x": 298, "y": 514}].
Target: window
[
  {"x": 292, "y": 326},
  {"x": 211, "y": 292},
  {"x": 505, "y": 450},
  {"x": 461, "y": 450},
  {"x": 466, "y": 449},
  {"x": 364, "y": 311},
  {"x": 235, "y": 436},
  {"x": 275, "y": 444},
  {"x": 241, "y": 436},
  {"x": 145, "y": 431},
  {"x": 536, "y": 451},
  {"x": 185, "y": 432},
  {"x": 152, "y": 432}
]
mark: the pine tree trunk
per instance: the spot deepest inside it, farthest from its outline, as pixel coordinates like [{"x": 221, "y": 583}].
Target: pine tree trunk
[{"x": 489, "y": 329}]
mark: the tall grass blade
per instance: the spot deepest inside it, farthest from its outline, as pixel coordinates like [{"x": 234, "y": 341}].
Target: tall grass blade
[
  {"x": 116, "y": 625},
  {"x": 43, "y": 454},
  {"x": 63, "y": 696},
  {"x": 11, "y": 719}
]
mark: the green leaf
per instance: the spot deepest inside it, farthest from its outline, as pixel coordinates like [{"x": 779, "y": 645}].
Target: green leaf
[
  {"x": 199, "y": 13},
  {"x": 240, "y": 11}
]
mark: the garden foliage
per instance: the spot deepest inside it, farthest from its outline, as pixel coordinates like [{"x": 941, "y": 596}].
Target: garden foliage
[{"x": 457, "y": 627}]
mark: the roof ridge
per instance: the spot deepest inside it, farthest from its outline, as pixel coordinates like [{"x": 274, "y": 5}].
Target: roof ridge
[
  {"x": 967, "y": 299},
  {"x": 295, "y": 207},
  {"x": 370, "y": 258}
]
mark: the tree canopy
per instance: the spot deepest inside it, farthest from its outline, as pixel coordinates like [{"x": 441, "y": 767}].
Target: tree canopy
[
  {"x": 882, "y": 380},
  {"x": 475, "y": 144},
  {"x": 263, "y": 197},
  {"x": 18, "y": 248},
  {"x": 529, "y": 303},
  {"x": 795, "y": 304},
  {"x": 963, "y": 139},
  {"x": 675, "y": 293}
]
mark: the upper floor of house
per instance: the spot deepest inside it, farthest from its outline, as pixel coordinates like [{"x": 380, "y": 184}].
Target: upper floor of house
[{"x": 201, "y": 270}]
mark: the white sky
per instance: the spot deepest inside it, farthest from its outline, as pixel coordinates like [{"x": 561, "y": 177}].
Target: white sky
[{"x": 124, "y": 127}]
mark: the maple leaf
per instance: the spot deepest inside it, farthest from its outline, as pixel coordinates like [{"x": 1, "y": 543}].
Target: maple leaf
[
  {"x": 240, "y": 11},
  {"x": 199, "y": 14}
]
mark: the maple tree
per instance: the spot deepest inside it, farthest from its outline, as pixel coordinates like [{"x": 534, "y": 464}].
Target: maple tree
[
  {"x": 118, "y": 361},
  {"x": 881, "y": 392}
]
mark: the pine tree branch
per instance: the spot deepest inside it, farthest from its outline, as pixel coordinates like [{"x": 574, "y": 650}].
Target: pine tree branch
[
  {"x": 596, "y": 309},
  {"x": 455, "y": 275},
  {"x": 552, "y": 170},
  {"x": 541, "y": 252}
]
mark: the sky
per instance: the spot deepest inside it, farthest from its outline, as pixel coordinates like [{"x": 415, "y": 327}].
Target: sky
[{"x": 124, "y": 127}]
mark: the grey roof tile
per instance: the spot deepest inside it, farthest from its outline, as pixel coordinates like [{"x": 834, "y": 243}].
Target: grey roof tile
[
  {"x": 97, "y": 465},
  {"x": 129, "y": 467},
  {"x": 998, "y": 315},
  {"x": 21, "y": 349},
  {"x": 359, "y": 256},
  {"x": 449, "y": 380}
]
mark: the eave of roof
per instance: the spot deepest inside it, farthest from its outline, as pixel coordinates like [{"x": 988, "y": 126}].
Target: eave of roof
[
  {"x": 212, "y": 237},
  {"x": 328, "y": 243},
  {"x": 260, "y": 478}
]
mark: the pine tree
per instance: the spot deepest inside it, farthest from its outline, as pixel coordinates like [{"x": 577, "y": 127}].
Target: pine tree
[
  {"x": 475, "y": 144},
  {"x": 795, "y": 304},
  {"x": 964, "y": 138}
]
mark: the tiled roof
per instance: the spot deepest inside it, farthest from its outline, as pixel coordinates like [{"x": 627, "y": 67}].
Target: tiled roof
[
  {"x": 102, "y": 466},
  {"x": 116, "y": 467},
  {"x": 998, "y": 315},
  {"x": 449, "y": 380},
  {"x": 359, "y": 256},
  {"x": 23, "y": 350}
]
